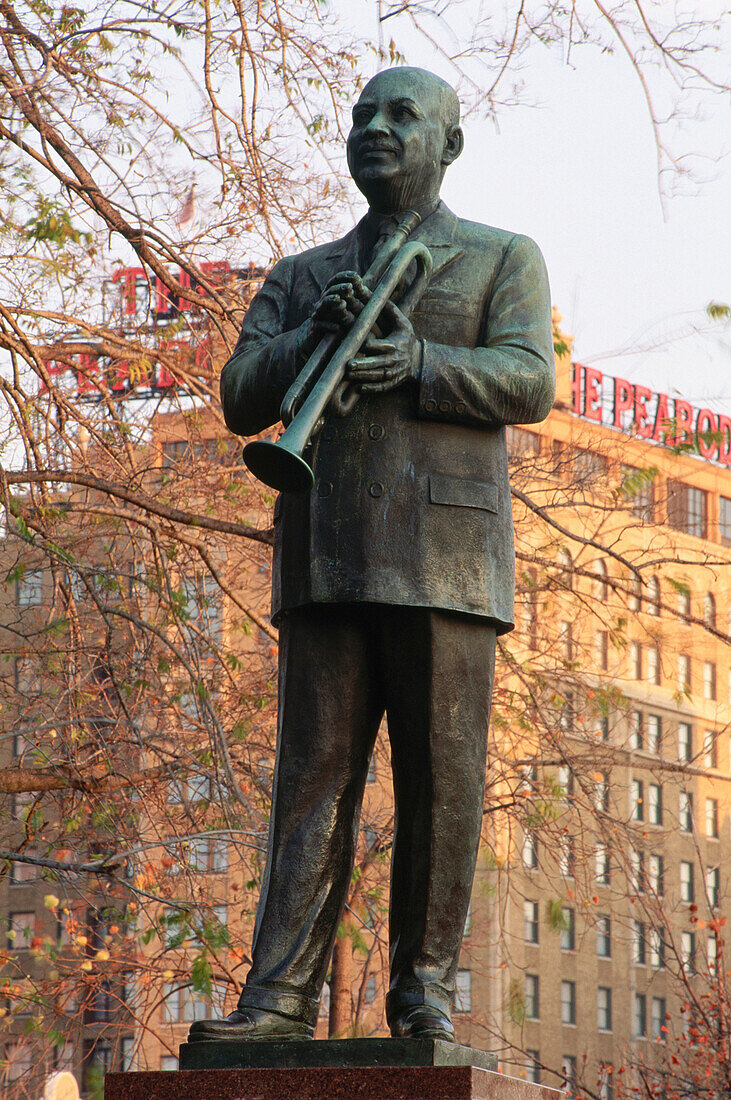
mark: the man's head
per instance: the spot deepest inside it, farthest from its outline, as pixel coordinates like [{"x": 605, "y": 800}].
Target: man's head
[{"x": 405, "y": 132}]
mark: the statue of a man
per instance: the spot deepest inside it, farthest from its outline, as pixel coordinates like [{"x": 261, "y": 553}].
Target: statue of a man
[{"x": 395, "y": 574}]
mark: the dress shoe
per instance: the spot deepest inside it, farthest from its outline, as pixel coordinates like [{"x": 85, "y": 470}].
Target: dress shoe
[
  {"x": 250, "y": 1024},
  {"x": 422, "y": 1022}
]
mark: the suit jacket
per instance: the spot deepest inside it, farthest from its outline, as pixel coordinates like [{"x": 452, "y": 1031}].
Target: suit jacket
[{"x": 411, "y": 503}]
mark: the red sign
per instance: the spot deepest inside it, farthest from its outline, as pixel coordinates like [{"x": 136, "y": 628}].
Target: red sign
[{"x": 638, "y": 410}]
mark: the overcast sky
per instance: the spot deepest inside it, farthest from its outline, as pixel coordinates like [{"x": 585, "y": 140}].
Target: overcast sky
[{"x": 578, "y": 173}]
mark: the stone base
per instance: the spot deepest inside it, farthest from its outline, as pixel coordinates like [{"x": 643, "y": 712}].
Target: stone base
[
  {"x": 331, "y": 1053},
  {"x": 369, "y": 1069}
]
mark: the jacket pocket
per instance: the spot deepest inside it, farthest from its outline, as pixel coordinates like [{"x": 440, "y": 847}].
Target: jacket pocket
[{"x": 463, "y": 494}]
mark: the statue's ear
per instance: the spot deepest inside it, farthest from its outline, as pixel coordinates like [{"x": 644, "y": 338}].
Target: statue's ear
[{"x": 453, "y": 144}]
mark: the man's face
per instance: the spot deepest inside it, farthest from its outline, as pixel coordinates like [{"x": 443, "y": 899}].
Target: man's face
[{"x": 398, "y": 136}]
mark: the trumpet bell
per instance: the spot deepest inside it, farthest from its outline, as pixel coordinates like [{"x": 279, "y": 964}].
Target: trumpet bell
[{"x": 278, "y": 467}]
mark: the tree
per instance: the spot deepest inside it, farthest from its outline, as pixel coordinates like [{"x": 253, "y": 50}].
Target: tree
[{"x": 149, "y": 153}]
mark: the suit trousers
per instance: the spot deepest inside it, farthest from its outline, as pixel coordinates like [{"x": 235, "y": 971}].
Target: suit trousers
[{"x": 341, "y": 667}]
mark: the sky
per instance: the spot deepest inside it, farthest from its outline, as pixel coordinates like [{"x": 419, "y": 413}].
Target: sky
[{"x": 577, "y": 171}]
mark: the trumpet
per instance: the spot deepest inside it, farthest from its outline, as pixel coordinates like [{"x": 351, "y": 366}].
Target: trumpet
[{"x": 320, "y": 387}]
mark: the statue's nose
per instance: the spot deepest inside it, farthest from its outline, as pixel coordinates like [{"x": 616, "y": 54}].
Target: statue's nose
[{"x": 377, "y": 126}]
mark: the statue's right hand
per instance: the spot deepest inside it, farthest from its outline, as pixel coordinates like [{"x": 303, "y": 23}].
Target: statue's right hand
[
  {"x": 340, "y": 302},
  {"x": 342, "y": 299}
]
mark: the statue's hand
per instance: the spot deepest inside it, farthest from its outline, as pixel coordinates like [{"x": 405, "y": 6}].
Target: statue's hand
[
  {"x": 342, "y": 299},
  {"x": 383, "y": 364}
]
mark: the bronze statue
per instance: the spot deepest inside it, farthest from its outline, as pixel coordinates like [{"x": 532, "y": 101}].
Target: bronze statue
[{"x": 394, "y": 574}]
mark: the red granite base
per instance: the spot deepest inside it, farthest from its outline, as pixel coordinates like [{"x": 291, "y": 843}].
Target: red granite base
[{"x": 327, "y": 1083}]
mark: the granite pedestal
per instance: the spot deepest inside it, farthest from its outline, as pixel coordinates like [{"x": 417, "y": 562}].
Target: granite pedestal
[{"x": 357, "y": 1069}]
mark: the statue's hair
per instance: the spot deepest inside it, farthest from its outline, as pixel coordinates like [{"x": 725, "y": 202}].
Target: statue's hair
[{"x": 448, "y": 99}]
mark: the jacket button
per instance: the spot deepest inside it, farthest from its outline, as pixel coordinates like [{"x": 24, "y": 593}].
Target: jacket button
[
  {"x": 459, "y": 408},
  {"x": 376, "y": 431},
  {"x": 444, "y": 406},
  {"x": 324, "y": 488},
  {"x": 430, "y": 405},
  {"x": 375, "y": 489}
]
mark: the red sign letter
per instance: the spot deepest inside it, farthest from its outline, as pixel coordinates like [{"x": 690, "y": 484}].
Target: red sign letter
[
  {"x": 706, "y": 433},
  {"x": 623, "y": 400},
  {"x": 642, "y": 417},
  {"x": 592, "y": 394}
]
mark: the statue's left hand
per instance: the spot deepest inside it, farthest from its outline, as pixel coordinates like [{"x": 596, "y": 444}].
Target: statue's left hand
[{"x": 387, "y": 362}]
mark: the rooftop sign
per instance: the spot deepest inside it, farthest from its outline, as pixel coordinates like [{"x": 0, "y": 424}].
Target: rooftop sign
[{"x": 656, "y": 417}]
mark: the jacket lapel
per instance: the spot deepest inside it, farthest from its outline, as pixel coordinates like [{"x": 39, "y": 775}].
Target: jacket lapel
[{"x": 437, "y": 233}]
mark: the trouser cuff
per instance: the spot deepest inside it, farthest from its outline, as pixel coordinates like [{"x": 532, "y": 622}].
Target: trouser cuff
[
  {"x": 295, "y": 1005},
  {"x": 435, "y": 997}
]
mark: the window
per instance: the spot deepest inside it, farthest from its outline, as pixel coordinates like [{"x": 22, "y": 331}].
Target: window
[
  {"x": 709, "y": 609},
  {"x": 601, "y": 793},
  {"x": 638, "y": 800},
  {"x": 601, "y": 585},
  {"x": 636, "y": 736},
  {"x": 21, "y": 873},
  {"x": 570, "y": 1087},
  {"x": 195, "y": 1006},
  {"x": 712, "y": 944},
  {"x": 656, "y": 874},
  {"x": 588, "y": 466},
  {"x": 531, "y": 997},
  {"x": 653, "y": 665},
  {"x": 127, "y": 1050},
  {"x": 19, "y": 1061},
  {"x": 521, "y": 442},
  {"x": 170, "y": 1007},
  {"x": 654, "y": 804},
  {"x": 601, "y": 650},
  {"x": 657, "y": 949},
  {"x": 530, "y": 921},
  {"x": 566, "y": 565},
  {"x": 658, "y": 1029},
  {"x": 568, "y": 929},
  {"x": 568, "y": 1002},
  {"x": 604, "y": 938},
  {"x": 685, "y": 812},
  {"x": 712, "y": 817},
  {"x": 687, "y": 951},
  {"x": 635, "y": 596},
  {"x": 710, "y": 749},
  {"x": 219, "y": 856},
  {"x": 462, "y": 991},
  {"x": 638, "y": 487},
  {"x": 566, "y": 856},
  {"x": 654, "y": 733},
  {"x": 533, "y": 1066},
  {"x": 21, "y": 930},
  {"x": 637, "y": 871},
  {"x": 640, "y": 1016},
  {"x": 687, "y": 508},
  {"x": 635, "y": 656},
  {"x": 371, "y": 777},
  {"x": 687, "y": 889},
  {"x": 638, "y": 943},
  {"x": 684, "y": 683},
  {"x": 653, "y": 596},
  {"x": 202, "y": 606},
  {"x": 713, "y": 886},
  {"x": 530, "y": 851},
  {"x": 602, "y": 865},
  {"x": 369, "y": 994},
  {"x": 709, "y": 680},
  {"x": 606, "y": 1083},
  {"x": 468, "y": 922},
  {"x": 30, "y": 588},
  {"x": 724, "y": 517},
  {"x": 685, "y": 741},
  {"x": 604, "y": 1008},
  {"x": 566, "y": 640},
  {"x": 684, "y": 603},
  {"x": 168, "y": 1063}
]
